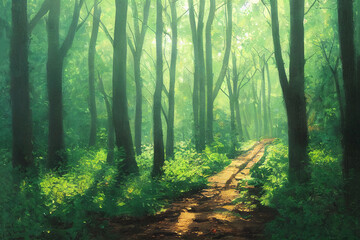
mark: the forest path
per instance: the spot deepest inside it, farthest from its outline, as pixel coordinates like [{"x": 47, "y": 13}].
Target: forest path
[{"x": 210, "y": 213}]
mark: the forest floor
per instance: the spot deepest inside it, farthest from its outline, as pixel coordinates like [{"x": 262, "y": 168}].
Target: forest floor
[{"x": 211, "y": 213}]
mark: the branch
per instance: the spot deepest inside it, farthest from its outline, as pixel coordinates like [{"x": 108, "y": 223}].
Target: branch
[
  {"x": 310, "y": 7},
  {"x": 42, "y": 12},
  {"x": 72, "y": 30}
]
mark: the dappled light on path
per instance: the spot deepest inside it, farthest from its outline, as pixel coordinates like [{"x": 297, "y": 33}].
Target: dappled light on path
[{"x": 211, "y": 213}]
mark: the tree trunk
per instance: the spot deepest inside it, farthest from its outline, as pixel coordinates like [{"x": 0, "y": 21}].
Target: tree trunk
[
  {"x": 20, "y": 97},
  {"x": 171, "y": 114},
  {"x": 256, "y": 117},
  {"x": 351, "y": 135},
  {"x": 110, "y": 137},
  {"x": 202, "y": 96},
  {"x": 225, "y": 64},
  {"x": 269, "y": 101},
  {"x": 91, "y": 61},
  {"x": 263, "y": 93},
  {"x": 195, "y": 97},
  {"x": 209, "y": 74},
  {"x": 54, "y": 85},
  {"x": 55, "y": 62},
  {"x": 159, "y": 157},
  {"x": 120, "y": 104},
  {"x": 137, "y": 49},
  {"x": 236, "y": 98},
  {"x": 233, "y": 129},
  {"x": 293, "y": 90}
]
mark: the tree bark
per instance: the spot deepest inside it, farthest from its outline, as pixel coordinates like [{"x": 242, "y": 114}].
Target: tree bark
[
  {"x": 202, "y": 95},
  {"x": 171, "y": 114},
  {"x": 351, "y": 135},
  {"x": 159, "y": 157},
  {"x": 225, "y": 63},
  {"x": 209, "y": 74},
  {"x": 120, "y": 104},
  {"x": 293, "y": 91},
  {"x": 54, "y": 85},
  {"x": 236, "y": 86},
  {"x": 110, "y": 138},
  {"x": 136, "y": 49},
  {"x": 22, "y": 146},
  {"x": 269, "y": 101},
  {"x": 91, "y": 62},
  {"x": 195, "y": 97},
  {"x": 263, "y": 93},
  {"x": 233, "y": 129},
  {"x": 55, "y": 62}
]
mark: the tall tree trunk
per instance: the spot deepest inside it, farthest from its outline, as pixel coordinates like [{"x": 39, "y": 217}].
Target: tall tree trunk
[
  {"x": 202, "y": 96},
  {"x": 136, "y": 49},
  {"x": 110, "y": 137},
  {"x": 55, "y": 63},
  {"x": 91, "y": 61},
  {"x": 256, "y": 117},
  {"x": 20, "y": 97},
  {"x": 269, "y": 100},
  {"x": 195, "y": 97},
  {"x": 233, "y": 129},
  {"x": 159, "y": 157},
  {"x": 263, "y": 93},
  {"x": 236, "y": 98},
  {"x": 171, "y": 114},
  {"x": 209, "y": 74},
  {"x": 246, "y": 122},
  {"x": 120, "y": 104},
  {"x": 54, "y": 85},
  {"x": 351, "y": 135},
  {"x": 293, "y": 90},
  {"x": 225, "y": 63}
]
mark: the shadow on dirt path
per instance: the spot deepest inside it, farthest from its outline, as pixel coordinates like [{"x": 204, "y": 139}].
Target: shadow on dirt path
[{"x": 208, "y": 214}]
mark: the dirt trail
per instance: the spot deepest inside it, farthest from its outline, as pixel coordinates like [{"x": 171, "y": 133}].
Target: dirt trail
[{"x": 209, "y": 214}]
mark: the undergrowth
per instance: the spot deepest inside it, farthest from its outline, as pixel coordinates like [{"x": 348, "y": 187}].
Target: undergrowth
[
  {"x": 312, "y": 211},
  {"x": 67, "y": 206}
]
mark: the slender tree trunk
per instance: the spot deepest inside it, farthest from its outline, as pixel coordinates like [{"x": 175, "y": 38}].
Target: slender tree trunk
[
  {"x": 91, "y": 61},
  {"x": 246, "y": 122},
  {"x": 20, "y": 97},
  {"x": 171, "y": 114},
  {"x": 195, "y": 97},
  {"x": 159, "y": 157},
  {"x": 110, "y": 138},
  {"x": 236, "y": 98},
  {"x": 293, "y": 90},
  {"x": 136, "y": 50},
  {"x": 209, "y": 74},
  {"x": 202, "y": 95},
  {"x": 269, "y": 100},
  {"x": 225, "y": 63},
  {"x": 351, "y": 78},
  {"x": 256, "y": 117},
  {"x": 233, "y": 129},
  {"x": 55, "y": 63},
  {"x": 263, "y": 93},
  {"x": 120, "y": 104}
]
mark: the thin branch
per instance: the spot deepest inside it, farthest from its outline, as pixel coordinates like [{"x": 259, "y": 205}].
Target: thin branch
[{"x": 311, "y": 6}]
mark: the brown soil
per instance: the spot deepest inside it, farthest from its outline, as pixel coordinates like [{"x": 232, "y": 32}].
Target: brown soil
[{"x": 208, "y": 214}]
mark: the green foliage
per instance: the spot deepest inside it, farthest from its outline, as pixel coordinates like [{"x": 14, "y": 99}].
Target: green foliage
[
  {"x": 312, "y": 211},
  {"x": 66, "y": 206}
]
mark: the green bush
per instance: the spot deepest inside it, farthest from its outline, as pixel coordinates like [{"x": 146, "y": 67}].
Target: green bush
[
  {"x": 311, "y": 211},
  {"x": 54, "y": 206}
]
